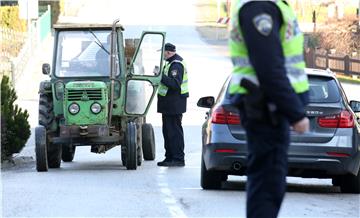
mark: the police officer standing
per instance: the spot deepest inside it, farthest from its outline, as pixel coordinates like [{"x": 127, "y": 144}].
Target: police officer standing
[
  {"x": 270, "y": 88},
  {"x": 172, "y": 97}
]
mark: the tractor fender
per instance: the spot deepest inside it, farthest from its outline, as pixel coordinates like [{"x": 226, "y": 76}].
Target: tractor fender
[{"x": 45, "y": 87}]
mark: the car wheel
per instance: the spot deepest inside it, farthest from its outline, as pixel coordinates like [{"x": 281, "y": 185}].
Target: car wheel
[
  {"x": 210, "y": 179},
  {"x": 336, "y": 181},
  {"x": 350, "y": 183}
]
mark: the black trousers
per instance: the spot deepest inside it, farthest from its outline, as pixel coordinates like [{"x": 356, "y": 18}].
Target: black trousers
[
  {"x": 267, "y": 166},
  {"x": 173, "y": 137}
]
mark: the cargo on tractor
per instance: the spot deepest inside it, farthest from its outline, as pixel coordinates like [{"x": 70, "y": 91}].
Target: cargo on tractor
[{"x": 100, "y": 89}]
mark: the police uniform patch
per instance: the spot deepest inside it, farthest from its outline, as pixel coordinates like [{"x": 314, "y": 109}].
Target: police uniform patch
[
  {"x": 174, "y": 73},
  {"x": 263, "y": 23}
]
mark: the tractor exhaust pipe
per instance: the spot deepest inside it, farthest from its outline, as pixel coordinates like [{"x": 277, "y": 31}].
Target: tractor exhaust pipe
[{"x": 112, "y": 67}]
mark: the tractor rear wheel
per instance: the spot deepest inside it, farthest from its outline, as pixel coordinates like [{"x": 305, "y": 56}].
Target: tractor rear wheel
[
  {"x": 139, "y": 155},
  {"x": 148, "y": 141},
  {"x": 139, "y": 144},
  {"x": 68, "y": 153},
  {"x": 40, "y": 149},
  {"x": 131, "y": 146},
  {"x": 47, "y": 119},
  {"x": 123, "y": 154}
]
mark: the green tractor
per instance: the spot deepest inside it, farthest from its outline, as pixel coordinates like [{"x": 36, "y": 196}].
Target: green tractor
[{"x": 100, "y": 89}]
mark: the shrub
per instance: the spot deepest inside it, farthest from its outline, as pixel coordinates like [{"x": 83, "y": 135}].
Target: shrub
[
  {"x": 313, "y": 40},
  {"x": 15, "y": 128},
  {"x": 9, "y": 18}
]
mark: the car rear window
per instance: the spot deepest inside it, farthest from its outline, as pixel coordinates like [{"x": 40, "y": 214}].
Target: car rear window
[{"x": 323, "y": 90}]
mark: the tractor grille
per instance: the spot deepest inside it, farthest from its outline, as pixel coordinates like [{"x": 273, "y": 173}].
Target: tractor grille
[{"x": 84, "y": 95}]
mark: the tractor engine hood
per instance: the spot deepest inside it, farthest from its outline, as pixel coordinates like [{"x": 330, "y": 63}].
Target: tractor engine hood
[{"x": 86, "y": 103}]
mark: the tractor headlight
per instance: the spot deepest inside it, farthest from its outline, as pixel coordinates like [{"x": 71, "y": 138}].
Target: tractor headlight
[
  {"x": 95, "y": 108},
  {"x": 74, "y": 108},
  {"x": 59, "y": 90}
]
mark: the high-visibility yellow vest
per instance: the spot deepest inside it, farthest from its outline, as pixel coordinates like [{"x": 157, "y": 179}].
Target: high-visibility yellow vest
[
  {"x": 292, "y": 40},
  {"x": 163, "y": 89}
]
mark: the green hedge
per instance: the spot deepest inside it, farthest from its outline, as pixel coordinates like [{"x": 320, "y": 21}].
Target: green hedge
[{"x": 15, "y": 128}]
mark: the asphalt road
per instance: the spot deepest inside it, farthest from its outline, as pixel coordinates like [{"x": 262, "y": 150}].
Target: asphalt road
[{"x": 97, "y": 185}]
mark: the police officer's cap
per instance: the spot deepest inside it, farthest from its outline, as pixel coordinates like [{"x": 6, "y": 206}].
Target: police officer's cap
[{"x": 170, "y": 47}]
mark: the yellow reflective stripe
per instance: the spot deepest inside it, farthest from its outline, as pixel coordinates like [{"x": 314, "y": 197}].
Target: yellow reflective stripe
[
  {"x": 184, "y": 84},
  {"x": 300, "y": 87},
  {"x": 295, "y": 46},
  {"x": 233, "y": 89},
  {"x": 184, "y": 88}
]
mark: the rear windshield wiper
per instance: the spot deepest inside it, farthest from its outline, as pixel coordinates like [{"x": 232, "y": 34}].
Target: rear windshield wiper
[{"x": 98, "y": 42}]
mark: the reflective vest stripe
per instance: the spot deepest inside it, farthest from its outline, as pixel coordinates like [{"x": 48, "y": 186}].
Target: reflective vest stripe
[
  {"x": 163, "y": 89},
  {"x": 292, "y": 44}
]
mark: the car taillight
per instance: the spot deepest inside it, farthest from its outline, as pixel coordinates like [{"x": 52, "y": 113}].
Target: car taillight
[
  {"x": 222, "y": 116},
  {"x": 343, "y": 120}
]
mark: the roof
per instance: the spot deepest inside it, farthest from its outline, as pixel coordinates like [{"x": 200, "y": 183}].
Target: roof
[
  {"x": 320, "y": 72},
  {"x": 85, "y": 26}
]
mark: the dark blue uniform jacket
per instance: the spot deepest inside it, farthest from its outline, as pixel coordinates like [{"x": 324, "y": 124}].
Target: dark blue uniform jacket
[
  {"x": 174, "y": 102},
  {"x": 266, "y": 56}
]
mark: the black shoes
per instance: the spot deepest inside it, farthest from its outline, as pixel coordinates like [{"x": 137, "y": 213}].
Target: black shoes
[{"x": 171, "y": 163}]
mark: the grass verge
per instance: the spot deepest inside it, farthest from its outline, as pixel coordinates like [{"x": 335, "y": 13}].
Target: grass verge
[{"x": 347, "y": 79}]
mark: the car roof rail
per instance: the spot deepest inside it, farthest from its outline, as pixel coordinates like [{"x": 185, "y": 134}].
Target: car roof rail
[{"x": 329, "y": 71}]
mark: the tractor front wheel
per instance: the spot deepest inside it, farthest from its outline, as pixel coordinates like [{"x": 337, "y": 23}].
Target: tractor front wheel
[
  {"x": 131, "y": 146},
  {"x": 47, "y": 119},
  {"x": 41, "y": 149}
]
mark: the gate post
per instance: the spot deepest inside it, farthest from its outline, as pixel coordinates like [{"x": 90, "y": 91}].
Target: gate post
[{"x": 347, "y": 65}]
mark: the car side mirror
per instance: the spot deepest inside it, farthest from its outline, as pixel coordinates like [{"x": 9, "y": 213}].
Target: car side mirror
[
  {"x": 206, "y": 102},
  {"x": 46, "y": 69},
  {"x": 355, "y": 106}
]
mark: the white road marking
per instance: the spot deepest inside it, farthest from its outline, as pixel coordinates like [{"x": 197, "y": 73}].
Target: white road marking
[{"x": 167, "y": 196}]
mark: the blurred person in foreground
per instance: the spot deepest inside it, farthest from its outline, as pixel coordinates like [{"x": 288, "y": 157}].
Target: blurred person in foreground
[{"x": 270, "y": 88}]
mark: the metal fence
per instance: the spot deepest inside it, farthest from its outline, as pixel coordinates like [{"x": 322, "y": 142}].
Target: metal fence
[{"x": 343, "y": 64}]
